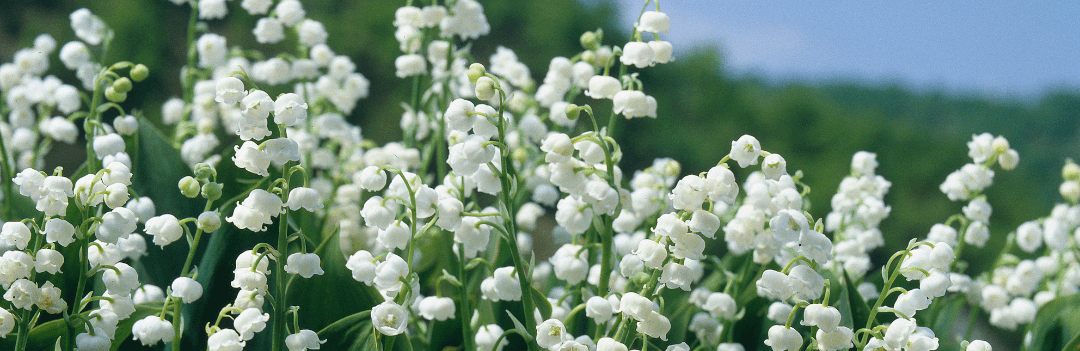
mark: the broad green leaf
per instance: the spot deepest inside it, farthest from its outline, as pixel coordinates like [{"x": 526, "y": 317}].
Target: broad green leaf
[
  {"x": 541, "y": 303},
  {"x": 843, "y": 303},
  {"x": 352, "y": 333},
  {"x": 1073, "y": 345},
  {"x": 1056, "y": 324},
  {"x": 942, "y": 316},
  {"x": 156, "y": 171},
  {"x": 326, "y": 298},
  {"x": 157, "y": 168},
  {"x": 521, "y": 329}
]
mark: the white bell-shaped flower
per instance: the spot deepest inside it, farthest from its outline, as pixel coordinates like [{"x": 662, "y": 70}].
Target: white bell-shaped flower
[
  {"x": 720, "y": 305},
  {"x": 839, "y": 339},
  {"x": 306, "y": 198},
  {"x": 389, "y": 318},
  {"x": 186, "y": 289},
  {"x": 165, "y": 229},
  {"x": 152, "y": 330},
  {"x": 551, "y": 333},
  {"x": 15, "y": 234},
  {"x": 305, "y": 339},
  {"x": 249, "y": 322},
  {"x": 784, "y": 339},
  {"x": 304, "y": 264},
  {"x": 148, "y": 293},
  {"x": 436, "y": 308},
  {"x": 655, "y": 325},
  {"x": 59, "y": 231},
  {"x": 47, "y": 260},
  {"x": 225, "y": 340},
  {"x": 824, "y": 317},
  {"x": 654, "y": 22}
]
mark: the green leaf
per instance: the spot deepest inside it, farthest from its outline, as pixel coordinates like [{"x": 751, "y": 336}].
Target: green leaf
[
  {"x": 942, "y": 314},
  {"x": 541, "y": 303},
  {"x": 1073, "y": 345},
  {"x": 843, "y": 304},
  {"x": 521, "y": 329},
  {"x": 326, "y": 298},
  {"x": 157, "y": 169},
  {"x": 352, "y": 333},
  {"x": 1056, "y": 325},
  {"x": 450, "y": 278},
  {"x": 860, "y": 310}
]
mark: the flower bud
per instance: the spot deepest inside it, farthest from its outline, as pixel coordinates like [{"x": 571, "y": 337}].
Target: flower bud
[
  {"x": 1070, "y": 190},
  {"x": 189, "y": 186},
  {"x": 1000, "y": 144},
  {"x": 126, "y": 125},
  {"x": 476, "y": 70},
  {"x": 204, "y": 171},
  {"x": 640, "y": 278},
  {"x": 572, "y": 111},
  {"x": 1008, "y": 159},
  {"x": 139, "y": 72},
  {"x": 485, "y": 88},
  {"x": 209, "y": 221},
  {"x": 115, "y": 96},
  {"x": 977, "y": 345},
  {"x": 1071, "y": 171},
  {"x": 591, "y": 40},
  {"x": 520, "y": 155},
  {"x": 211, "y": 191},
  {"x": 589, "y": 56},
  {"x": 122, "y": 85}
]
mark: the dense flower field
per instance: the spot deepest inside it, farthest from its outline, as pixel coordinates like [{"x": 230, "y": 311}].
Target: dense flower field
[{"x": 321, "y": 239}]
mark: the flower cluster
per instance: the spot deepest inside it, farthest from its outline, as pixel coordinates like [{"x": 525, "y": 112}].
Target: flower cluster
[{"x": 438, "y": 230}]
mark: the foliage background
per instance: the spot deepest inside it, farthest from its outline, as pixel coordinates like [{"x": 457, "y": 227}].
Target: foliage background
[{"x": 919, "y": 135}]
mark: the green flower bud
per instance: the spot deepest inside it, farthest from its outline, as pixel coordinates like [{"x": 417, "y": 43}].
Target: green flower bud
[
  {"x": 520, "y": 155},
  {"x": 189, "y": 186},
  {"x": 572, "y": 111},
  {"x": 640, "y": 278},
  {"x": 1008, "y": 260},
  {"x": 209, "y": 221},
  {"x": 139, "y": 72},
  {"x": 672, "y": 169},
  {"x": 591, "y": 40},
  {"x": 1071, "y": 171},
  {"x": 476, "y": 70},
  {"x": 204, "y": 171},
  {"x": 211, "y": 191},
  {"x": 589, "y": 56},
  {"x": 115, "y": 96},
  {"x": 122, "y": 85},
  {"x": 485, "y": 88}
]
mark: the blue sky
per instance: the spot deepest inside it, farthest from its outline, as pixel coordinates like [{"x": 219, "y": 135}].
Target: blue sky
[{"x": 987, "y": 47}]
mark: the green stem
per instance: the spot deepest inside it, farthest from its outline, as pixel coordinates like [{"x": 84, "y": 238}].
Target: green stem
[
  {"x": 881, "y": 299},
  {"x": 463, "y": 314},
  {"x": 84, "y": 245},
  {"x": 6, "y": 174},
  {"x": 511, "y": 226},
  {"x": 24, "y": 331},
  {"x": 187, "y": 268},
  {"x": 281, "y": 306}
]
